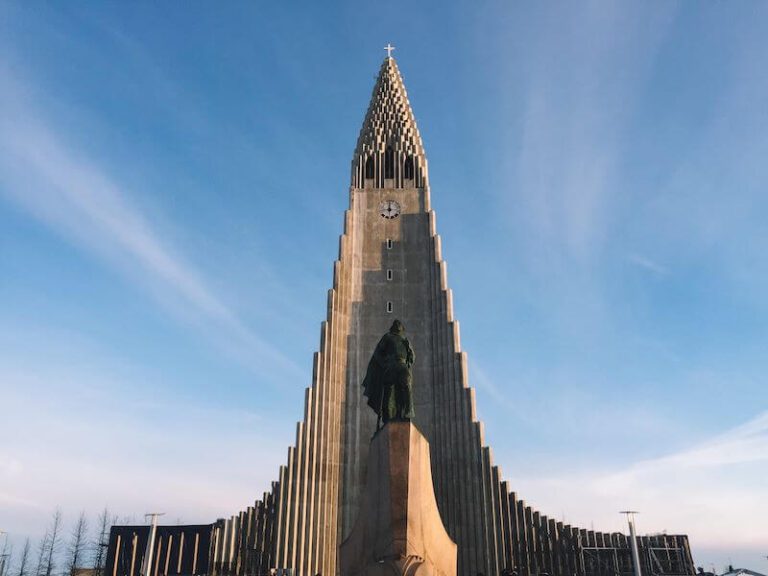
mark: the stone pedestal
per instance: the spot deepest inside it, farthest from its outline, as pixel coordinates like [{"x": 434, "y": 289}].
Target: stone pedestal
[{"x": 398, "y": 531}]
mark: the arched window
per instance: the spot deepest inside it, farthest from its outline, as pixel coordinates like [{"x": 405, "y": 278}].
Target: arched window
[
  {"x": 369, "y": 167},
  {"x": 389, "y": 163},
  {"x": 408, "y": 168}
]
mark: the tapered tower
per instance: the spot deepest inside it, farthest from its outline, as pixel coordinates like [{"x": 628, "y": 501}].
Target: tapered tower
[
  {"x": 401, "y": 274},
  {"x": 390, "y": 266}
]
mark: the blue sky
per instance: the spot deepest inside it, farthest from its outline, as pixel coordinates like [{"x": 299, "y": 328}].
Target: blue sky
[{"x": 172, "y": 182}]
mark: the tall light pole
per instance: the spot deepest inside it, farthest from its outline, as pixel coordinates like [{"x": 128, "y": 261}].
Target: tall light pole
[
  {"x": 635, "y": 552},
  {"x": 150, "y": 550}
]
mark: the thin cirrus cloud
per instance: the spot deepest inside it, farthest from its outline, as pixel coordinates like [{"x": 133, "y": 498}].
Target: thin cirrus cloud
[
  {"x": 747, "y": 442},
  {"x": 647, "y": 264},
  {"x": 79, "y": 392},
  {"x": 706, "y": 482},
  {"x": 575, "y": 116},
  {"x": 74, "y": 197}
]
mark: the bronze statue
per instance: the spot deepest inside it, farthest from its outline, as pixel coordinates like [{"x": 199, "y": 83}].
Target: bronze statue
[{"x": 387, "y": 381}]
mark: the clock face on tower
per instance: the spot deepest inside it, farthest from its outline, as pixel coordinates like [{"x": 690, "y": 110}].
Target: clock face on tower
[{"x": 389, "y": 209}]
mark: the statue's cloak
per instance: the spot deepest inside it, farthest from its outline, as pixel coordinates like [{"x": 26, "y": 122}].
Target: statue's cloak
[
  {"x": 392, "y": 349},
  {"x": 373, "y": 384}
]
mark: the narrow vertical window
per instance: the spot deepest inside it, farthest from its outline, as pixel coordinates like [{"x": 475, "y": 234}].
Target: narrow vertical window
[
  {"x": 408, "y": 168},
  {"x": 389, "y": 163},
  {"x": 134, "y": 545},
  {"x": 181, "y": 553},
  {"x": 168, "y": 553},
  {"x": 389, "y": 306},
  {"x": 389, "y": 274},
  {"x": 194, "y": 557},
  {"x": 389, "y": 243},
  {"x": 120, "y": 554},
  {"x": 369, "y": 168}
]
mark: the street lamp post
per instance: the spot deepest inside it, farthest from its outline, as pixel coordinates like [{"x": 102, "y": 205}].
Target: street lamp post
[
  {"x": 150, "y": 550},
  {"x": 633, "y": 540}
]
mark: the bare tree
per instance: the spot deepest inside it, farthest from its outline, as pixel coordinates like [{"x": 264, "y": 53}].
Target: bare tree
[
  {"x": 78, "y": 543},
  {"x": 54, "y": 543},
  {"x": 5, "y": 557},
  {"x": 102, "y": 541},
  {"x": 24, "y": 560},
  {"x": 42, "y": 554}
]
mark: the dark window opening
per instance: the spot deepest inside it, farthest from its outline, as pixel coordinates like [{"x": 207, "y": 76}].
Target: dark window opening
[
  {"x": 369, "y": 167},
  {"x": 389, "y": 306},
  {"x": 389, "y": 243},
  {"x": 408, "y": 168},
  {"x": 389, "y": 163},
  {"x": 389, "y": 274}
]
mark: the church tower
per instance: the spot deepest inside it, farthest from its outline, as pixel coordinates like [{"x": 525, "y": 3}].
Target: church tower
[
  {"x": 399, "y": 273},
  {"x": 390, "y": 266}
]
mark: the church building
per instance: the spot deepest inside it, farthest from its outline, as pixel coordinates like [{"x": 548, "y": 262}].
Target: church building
[{"x": 390, "y": 266}]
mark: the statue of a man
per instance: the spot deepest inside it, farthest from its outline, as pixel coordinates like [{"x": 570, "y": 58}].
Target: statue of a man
[{"x": 387, "y": 382}]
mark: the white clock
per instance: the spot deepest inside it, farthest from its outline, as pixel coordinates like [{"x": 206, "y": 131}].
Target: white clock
[{"x": 389, "y": 209}]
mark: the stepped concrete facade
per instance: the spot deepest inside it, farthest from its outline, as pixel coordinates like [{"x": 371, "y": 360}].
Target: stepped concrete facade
[{"x": 390, "y": 266}]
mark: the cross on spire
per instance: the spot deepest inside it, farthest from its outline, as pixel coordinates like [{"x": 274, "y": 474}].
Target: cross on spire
[{"x": 389, "y": 49}]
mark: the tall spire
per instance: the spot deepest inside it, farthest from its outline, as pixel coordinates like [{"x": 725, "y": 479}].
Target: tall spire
[{"x": 389, "y": 151}]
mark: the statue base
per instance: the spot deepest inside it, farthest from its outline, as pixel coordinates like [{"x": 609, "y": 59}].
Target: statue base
[{"x": 398, "y": 531}]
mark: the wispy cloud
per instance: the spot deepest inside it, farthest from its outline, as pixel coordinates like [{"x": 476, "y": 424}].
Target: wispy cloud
[
  {"x": 713, "y": 490},
  {"x": 60, "y": 405},
  {"x": 647, "y": 263},
  {"x": 561, "y": 192},
  {"x": 745, "y": 443},
  {"x": 577, "y": 110},
  {"x": 74, "y": 196}
]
